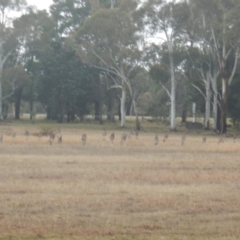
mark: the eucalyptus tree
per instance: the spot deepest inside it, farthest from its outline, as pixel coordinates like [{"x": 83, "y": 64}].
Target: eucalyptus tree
[
  {"x": 34, "y": 33},
  {"x": 160, "y": 75},
  {"x": 234, "y": 100},
  {"x": 7, "y": 43},
  {"x": 69, "y": 15},
  {"x": 15, "y": 78},
  {"x": 140, "y": 84},
  {"x": 108, "y": 42},
  {"x": 219, "y": 22},
  {"x": 201, "y": 69},
  {"x": 66, "y": 85},
  {"x": 165, "y": 21},
  {"x": 197, "y": 71}
]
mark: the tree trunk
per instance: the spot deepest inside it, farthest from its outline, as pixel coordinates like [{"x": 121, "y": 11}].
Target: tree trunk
[
  {"x": 5, "y": 110},
  {"x": 215, "y": 113},
  {"x": 100, "y": 112},
  {"x": 173, "y": 113},
  {"x": 207, "y": 104},
  {"x": 173, "y": 84},
  {"x": 119, "y": 109},
  {"x": 48, "y": 113},
  {"x": 2, "y": 61},
  {"x": 31, "y": 109},
  {"x": 173, "y": 93},
  {"x": 225, "y": 80},
  {"x": 215, "y": 105},
  {"x": 18, "y": 103},
  {"x": 110, "y": 107},
  {"x": 137, "y": 123},
  {"x": 1, "y": 94},
  {"x": 1, "y": 102},
  {"x": 96, "y": 110},
  {"x": 184, "y": 112},
  {"x": 218, "y": 129},
  {"x": 223, "y": 106},
  {"x": 123, "y": 101},
  {"x": 113, "y": 3},
  {"x": 131, "y": 110},
  {"x": 31, "y": 100},
  {"x": 61, "y": 113}
]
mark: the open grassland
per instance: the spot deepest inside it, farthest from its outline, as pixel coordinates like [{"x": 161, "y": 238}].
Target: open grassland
[{"x": 111, "y": 191}]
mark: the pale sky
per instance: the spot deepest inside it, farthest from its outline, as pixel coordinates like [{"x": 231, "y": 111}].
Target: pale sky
[{"x": 40, "y": 4}]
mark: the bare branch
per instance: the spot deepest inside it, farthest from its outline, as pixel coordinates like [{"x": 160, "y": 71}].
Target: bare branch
[
  {"x": 5, "y": 58},
  {"x": 167, "y": 91},
  {"x": 13, "y": 86},
  {"x": 216, "y": 47},
  {"x": 199, "y": 90},
  {"x": 235, "y": 66}
]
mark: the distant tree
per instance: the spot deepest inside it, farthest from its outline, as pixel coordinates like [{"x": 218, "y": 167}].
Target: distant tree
[
  {"x": 8, "y": 44},
  {"x": 234, "y": 100},
  {"x": 66, "y": 85},
  {"x": 69, "y": 15},
  {"x": 14, "y": 80},
  {"x": 165, "y": 21},
  {"x": 34, "y": 32},
  {"x": 219, "y": 22},
  {"x": 108, "y": 42}
]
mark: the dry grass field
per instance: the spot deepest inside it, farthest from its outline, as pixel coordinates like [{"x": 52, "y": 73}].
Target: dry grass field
[{"x": 111, "y": 191}]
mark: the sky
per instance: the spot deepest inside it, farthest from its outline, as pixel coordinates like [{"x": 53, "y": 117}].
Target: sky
[{"x": 40, "y": 4}]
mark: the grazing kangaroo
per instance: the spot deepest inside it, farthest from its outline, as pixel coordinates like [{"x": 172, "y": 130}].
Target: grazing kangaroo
[
  {"x": 156, "y": 139},
  {"x": 165, "y": 137},
  {"x": 221, "y": 139},
  {"x": 60, "y": 139},
  {"x": 84, "y": 138},
  {"x": 52, "y": 136},
  {"x": 112, "y": 136},
  {"x": 204, "y": 140},
  {"x": 123, "y": 138},
  {"x": 1, "y": 138}
]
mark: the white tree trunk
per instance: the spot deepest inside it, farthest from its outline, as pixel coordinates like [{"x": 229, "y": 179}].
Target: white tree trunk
[
  {"x": 207, "y": 102},
  {"x": 123, "y": 113},
  {"x": 137, "y": 127},
  {"x": 13, "y": 110},
  {"x": 113, "y": 4},
  {"x": 131, "y": 112},
  {"x": 2, "y": 61},
  {"x": 173, "y": 113},
  {"x": 173, "y": 91},
  {"x": 1, "y": 67},
  {"x": 215, "y": 112},
  {"x": 215, "y": 101},
  {"x": 1, "y": 113}
]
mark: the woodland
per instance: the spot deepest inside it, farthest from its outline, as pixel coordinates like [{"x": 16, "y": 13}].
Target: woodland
[{"x": 119, "y": 58}]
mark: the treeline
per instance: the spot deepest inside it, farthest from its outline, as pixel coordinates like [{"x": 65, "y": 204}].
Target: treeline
[{"x": 121, "y": 57}]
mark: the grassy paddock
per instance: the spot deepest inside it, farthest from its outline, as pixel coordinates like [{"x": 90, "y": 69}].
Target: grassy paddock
[{"x": 106, "y": 191}]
